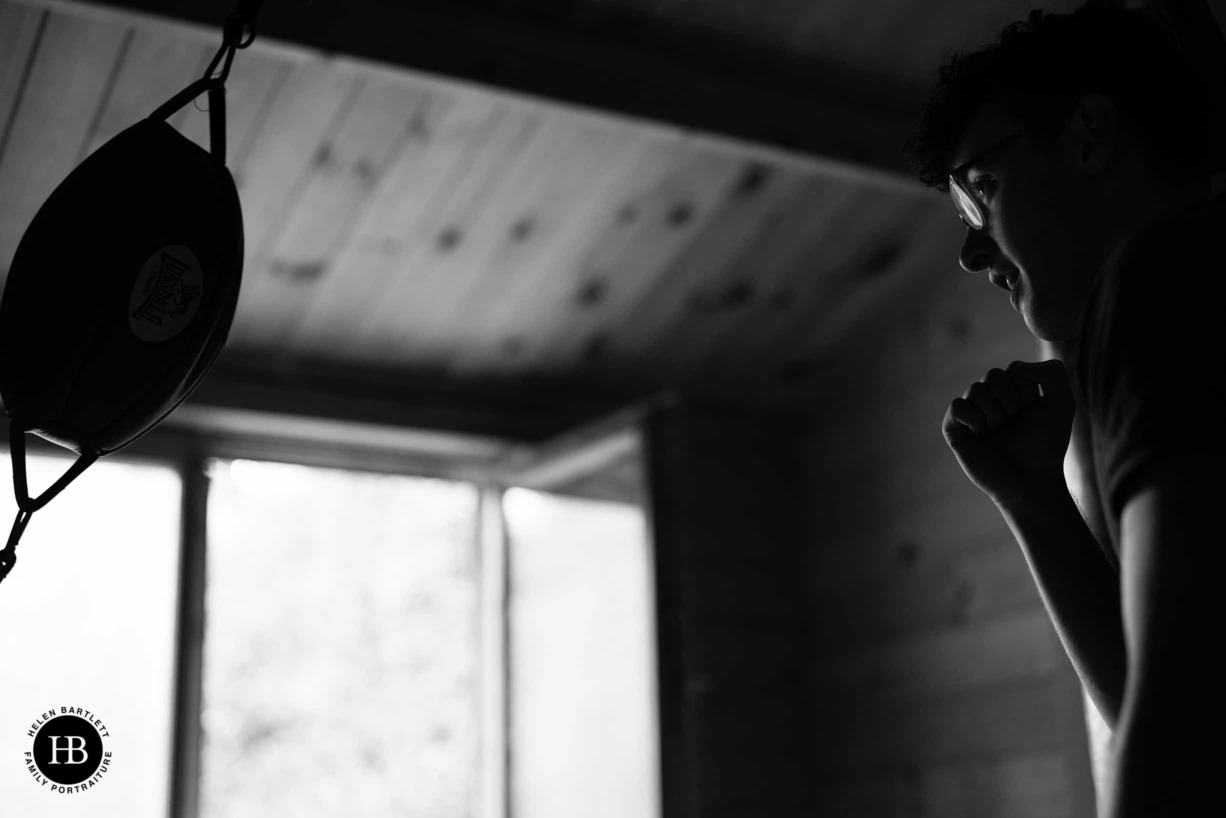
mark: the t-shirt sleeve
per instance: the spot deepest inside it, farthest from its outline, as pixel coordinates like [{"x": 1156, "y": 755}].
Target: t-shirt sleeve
[{"x": 1154, "y": 359}]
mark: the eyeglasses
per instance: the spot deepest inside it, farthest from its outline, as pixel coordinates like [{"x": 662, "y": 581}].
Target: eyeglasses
[{"x": 969, "y": 208}]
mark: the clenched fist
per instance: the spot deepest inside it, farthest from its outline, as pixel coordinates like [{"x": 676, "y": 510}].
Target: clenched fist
[{"x": 1009, "y": 437}]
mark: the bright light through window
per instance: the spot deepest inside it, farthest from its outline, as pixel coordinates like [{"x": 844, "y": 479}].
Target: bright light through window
[
  {"x": 87, "y": 619},
  {"x": 584, "y": 738},
  {"x": 341, "y": 663}
]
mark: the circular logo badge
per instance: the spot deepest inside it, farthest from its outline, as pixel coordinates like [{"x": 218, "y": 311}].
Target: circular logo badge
[
  {"x": 166, "y": 294},
  {"x": 67, "y": 750},
  {"x": 68, "y": 753}
]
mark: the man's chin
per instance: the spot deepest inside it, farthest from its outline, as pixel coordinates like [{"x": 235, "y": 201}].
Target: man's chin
[{"x": 1056, "y": 332}]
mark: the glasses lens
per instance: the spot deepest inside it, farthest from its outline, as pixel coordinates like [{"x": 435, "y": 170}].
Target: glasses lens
[{"x": 967, "y": 206}]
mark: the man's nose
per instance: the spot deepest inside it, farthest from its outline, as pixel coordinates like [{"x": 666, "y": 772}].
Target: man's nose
[{"x": 978, "y": 251}]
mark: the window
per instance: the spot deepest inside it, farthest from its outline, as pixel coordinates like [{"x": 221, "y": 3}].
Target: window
[
  {"x": 581, "y": 617},
  {"x": 87, "y": 619},
  {"x": 341, "y": 644},
  {"x": 373, "y": 643}
]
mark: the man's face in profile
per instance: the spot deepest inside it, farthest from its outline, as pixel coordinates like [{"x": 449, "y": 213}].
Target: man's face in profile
[{"x": 1038, "y": 239}]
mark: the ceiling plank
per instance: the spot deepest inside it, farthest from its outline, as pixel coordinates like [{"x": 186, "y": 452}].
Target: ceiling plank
[
  {"x": 803, "y": 110},
  {"x": 468, "y": 244},
  {"x": 67, "y": 83},
  {"x": 405, "y": 215},
  {"x": 20, "y": 29},
  {"x": 587, "y": 218},
  {"x": 301, "y": 113},
  {"x": 549, "y": 200},
  {"x": 841, "y": 280},
  {"x": 346, "y": 168},
  {"x": 756, "y": 288},
  {"x": 155, "y": 66},
  {"x": 388, "y": 326},
  {"x": 722, "y": 273},
  {"x": 626, "y": 258}
]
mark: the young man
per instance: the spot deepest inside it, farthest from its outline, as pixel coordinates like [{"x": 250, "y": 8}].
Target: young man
[{"x": 1075, "y": 152}]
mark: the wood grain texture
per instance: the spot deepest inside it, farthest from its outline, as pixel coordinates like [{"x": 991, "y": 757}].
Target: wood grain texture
[
  {"x": 401, "y": 221},
  {"x": 299, "y": 118},
  {"x": 515, "y": 314},
  {"x": 388, "y": 326},
  {"x": 932, "y": 653},
  {"x": 350, "y": 161},
  {"x": 712, "y": 278},
  {"x": 512, "y": 237},
  {"x": 991, "y": 722},
  {"x": 840, "y": 274},
  {"x": 1021, "y": 786},
  {"x": 73, "y": 67},
  {"x": 20, "y": 30},
  {"x": 736, "y": 284},
  {"x": 946, "y": 662},
  {"x": 658, "y": 208},
  {"x": 493, "y": 238},
  {"x": 574, "y": 273},
  {"x": 941, "y": 593},
  {"x": 155, "y": 66}
]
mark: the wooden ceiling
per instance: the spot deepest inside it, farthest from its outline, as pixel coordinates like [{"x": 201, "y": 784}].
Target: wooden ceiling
[{"x": 397, "y": 219}]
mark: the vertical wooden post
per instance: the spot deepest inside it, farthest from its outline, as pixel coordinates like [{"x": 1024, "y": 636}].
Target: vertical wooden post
[
  {"x": 737, "y": 725},
  {"x": 663, "y": 456},
  {"x": 189, "y": 641}
]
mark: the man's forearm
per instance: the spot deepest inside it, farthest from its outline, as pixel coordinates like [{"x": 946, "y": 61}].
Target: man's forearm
[{"x": 1078, "y": 587}]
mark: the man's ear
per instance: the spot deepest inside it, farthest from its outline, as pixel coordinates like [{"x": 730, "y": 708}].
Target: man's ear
[{"x": 1095, "y": 133}]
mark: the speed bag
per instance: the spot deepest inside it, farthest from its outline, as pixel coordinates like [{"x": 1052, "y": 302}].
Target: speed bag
[{"x": 121, "y": 292}]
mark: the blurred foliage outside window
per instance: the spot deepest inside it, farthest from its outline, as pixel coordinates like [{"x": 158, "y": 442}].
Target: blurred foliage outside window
[
  {"x": 341, "y": 655},
  {"x": 342, "y": 647}
]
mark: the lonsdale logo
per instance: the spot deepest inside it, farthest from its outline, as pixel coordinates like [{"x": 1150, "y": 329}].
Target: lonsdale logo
[
  {"x": 165, "y": 294},
  {"x": 68, "y": 754}
]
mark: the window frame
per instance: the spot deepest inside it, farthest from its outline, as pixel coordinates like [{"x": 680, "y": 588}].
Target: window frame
[
  {"x": 188, "y": 448},
  {"x": 194, "y": 434}
]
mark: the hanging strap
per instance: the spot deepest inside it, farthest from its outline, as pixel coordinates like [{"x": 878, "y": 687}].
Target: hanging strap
[
  {"x": 26, "y": 505},
  {"x": 238, "y": 32}
]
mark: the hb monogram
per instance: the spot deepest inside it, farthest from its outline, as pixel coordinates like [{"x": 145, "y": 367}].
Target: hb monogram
[
  {"x": 72, "y": 749},
  {"x": 68, "y": 752}
]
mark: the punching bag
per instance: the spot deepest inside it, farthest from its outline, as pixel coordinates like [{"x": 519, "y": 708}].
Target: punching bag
[{"x": 122, "y": 289}]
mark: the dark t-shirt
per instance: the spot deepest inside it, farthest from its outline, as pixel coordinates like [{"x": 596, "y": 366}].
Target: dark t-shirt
[{"x": 1149, "y": 366}]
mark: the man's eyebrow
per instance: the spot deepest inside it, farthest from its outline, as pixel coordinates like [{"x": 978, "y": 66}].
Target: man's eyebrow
[
  {"x": 959, "y": 170},
  {"x": 975, "y": 158},
  {"x": 963, "y": 156}
]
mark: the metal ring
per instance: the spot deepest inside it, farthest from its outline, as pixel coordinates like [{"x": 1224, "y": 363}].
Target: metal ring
[{"x": 238, "y": 30}]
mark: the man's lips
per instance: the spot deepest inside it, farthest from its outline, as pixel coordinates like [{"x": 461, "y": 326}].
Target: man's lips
[{"x": 1005, "y": 281}]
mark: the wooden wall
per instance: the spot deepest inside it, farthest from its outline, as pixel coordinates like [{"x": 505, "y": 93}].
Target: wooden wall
[
  {"x": 940, "y": 684},
  {"x": 737, "y": 722},
  {"x": 847, "y": 627}
]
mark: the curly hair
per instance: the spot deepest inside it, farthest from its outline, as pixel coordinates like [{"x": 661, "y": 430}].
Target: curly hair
[{"x": 1042, "y": 66}]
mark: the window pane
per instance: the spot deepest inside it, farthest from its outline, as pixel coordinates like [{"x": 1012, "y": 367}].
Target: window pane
[
  {"x": 583, "y": 691},
  {"x": 87, "y": 619},
  {"x": 341, "y": 644}
]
